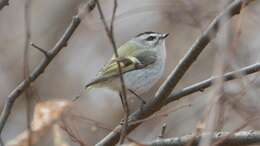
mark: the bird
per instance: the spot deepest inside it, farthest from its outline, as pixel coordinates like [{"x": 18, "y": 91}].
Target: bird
[{"x": 142, "y": 61}]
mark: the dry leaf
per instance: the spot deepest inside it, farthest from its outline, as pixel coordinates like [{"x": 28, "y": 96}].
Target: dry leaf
[{"x": 45, "y": 115}]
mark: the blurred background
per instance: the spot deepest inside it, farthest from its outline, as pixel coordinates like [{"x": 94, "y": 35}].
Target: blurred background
[{"x": 89, "y": 49}]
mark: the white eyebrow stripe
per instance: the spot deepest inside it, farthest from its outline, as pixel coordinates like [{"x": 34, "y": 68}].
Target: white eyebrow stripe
[{"x": 151, "y": 34}]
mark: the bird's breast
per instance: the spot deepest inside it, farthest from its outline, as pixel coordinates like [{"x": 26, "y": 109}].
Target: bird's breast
[{"x": 142, "y": 80}]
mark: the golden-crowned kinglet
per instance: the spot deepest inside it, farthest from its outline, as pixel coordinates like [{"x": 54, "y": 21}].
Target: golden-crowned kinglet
[{"x": 142, "y": 60}]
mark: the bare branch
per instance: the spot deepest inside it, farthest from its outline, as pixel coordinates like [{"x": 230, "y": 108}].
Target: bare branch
[
  {"x": 200, "y": 86},
  {"x": 236, "y": 139},
  {"x": 4, "y": 3},
  {"x": 110, "y": 34},
  {"x": 38, "y": 70},
  {"x": 176, "y": 75},
  {"x": 26, "y": 67}
]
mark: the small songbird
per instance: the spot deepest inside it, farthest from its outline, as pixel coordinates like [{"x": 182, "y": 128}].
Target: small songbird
[{"x": 142, "y": 60}]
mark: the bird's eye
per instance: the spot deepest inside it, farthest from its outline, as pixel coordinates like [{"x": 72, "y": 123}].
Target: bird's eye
[{"x": 150, "y": 38}]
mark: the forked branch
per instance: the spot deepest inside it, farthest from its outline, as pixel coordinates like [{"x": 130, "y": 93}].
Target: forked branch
[
  {"x": 201, "y": 86},
  {"x": 37, "y": 71}
]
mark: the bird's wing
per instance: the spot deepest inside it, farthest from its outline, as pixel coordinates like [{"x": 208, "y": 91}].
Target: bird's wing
[{"x": 135, "y": 60}]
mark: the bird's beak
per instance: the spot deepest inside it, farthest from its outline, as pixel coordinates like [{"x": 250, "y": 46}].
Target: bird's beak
[{"x": 165, "y": 35}]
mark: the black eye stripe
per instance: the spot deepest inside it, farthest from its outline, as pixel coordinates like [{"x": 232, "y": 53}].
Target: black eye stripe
[{"x": 150, "y": 38}]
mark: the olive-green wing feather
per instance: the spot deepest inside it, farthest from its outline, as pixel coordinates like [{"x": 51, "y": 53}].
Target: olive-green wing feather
[{"x": 135, "y": 60}]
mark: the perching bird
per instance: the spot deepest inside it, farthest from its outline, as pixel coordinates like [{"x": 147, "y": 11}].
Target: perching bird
[{"x": 142, "y": 60}]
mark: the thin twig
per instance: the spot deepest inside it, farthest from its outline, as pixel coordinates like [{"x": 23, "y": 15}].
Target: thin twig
[
  {"x": 26, "y": 67},
  {"x": 110, "y": 34},
  {"x": 3, "y": 3},
  {"x": 236, "y": 139},
  {"x": 44, "y": 52},
  {"x": 112, "y": 24},
  {"x": 160, "y": 114},
  {"x": 176, "y": 75},
  {"x": 215, "y": 109},
  {"x": 71, "y": 134},
  {"x": 163, "y": 130},
  {"x": 38, "y": 71},
  {"x": 201, "y": 86},
  {"x": 92, "y": 122}
]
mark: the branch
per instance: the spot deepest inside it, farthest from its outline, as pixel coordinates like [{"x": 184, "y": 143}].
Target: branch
[
  {"x": 236, "y": 139},
  {"x": 165, "y": 90},
  {"x": 38, "y": 71},
  {"x": 110, "y": 35},
  {"x": 200, "y": 86},
  {"x": 26, "y": 68},
  {"x": 4, "y": 3}
]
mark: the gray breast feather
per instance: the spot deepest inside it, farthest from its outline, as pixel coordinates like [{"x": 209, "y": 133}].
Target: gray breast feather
[{"x": 147, "y": 57}]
